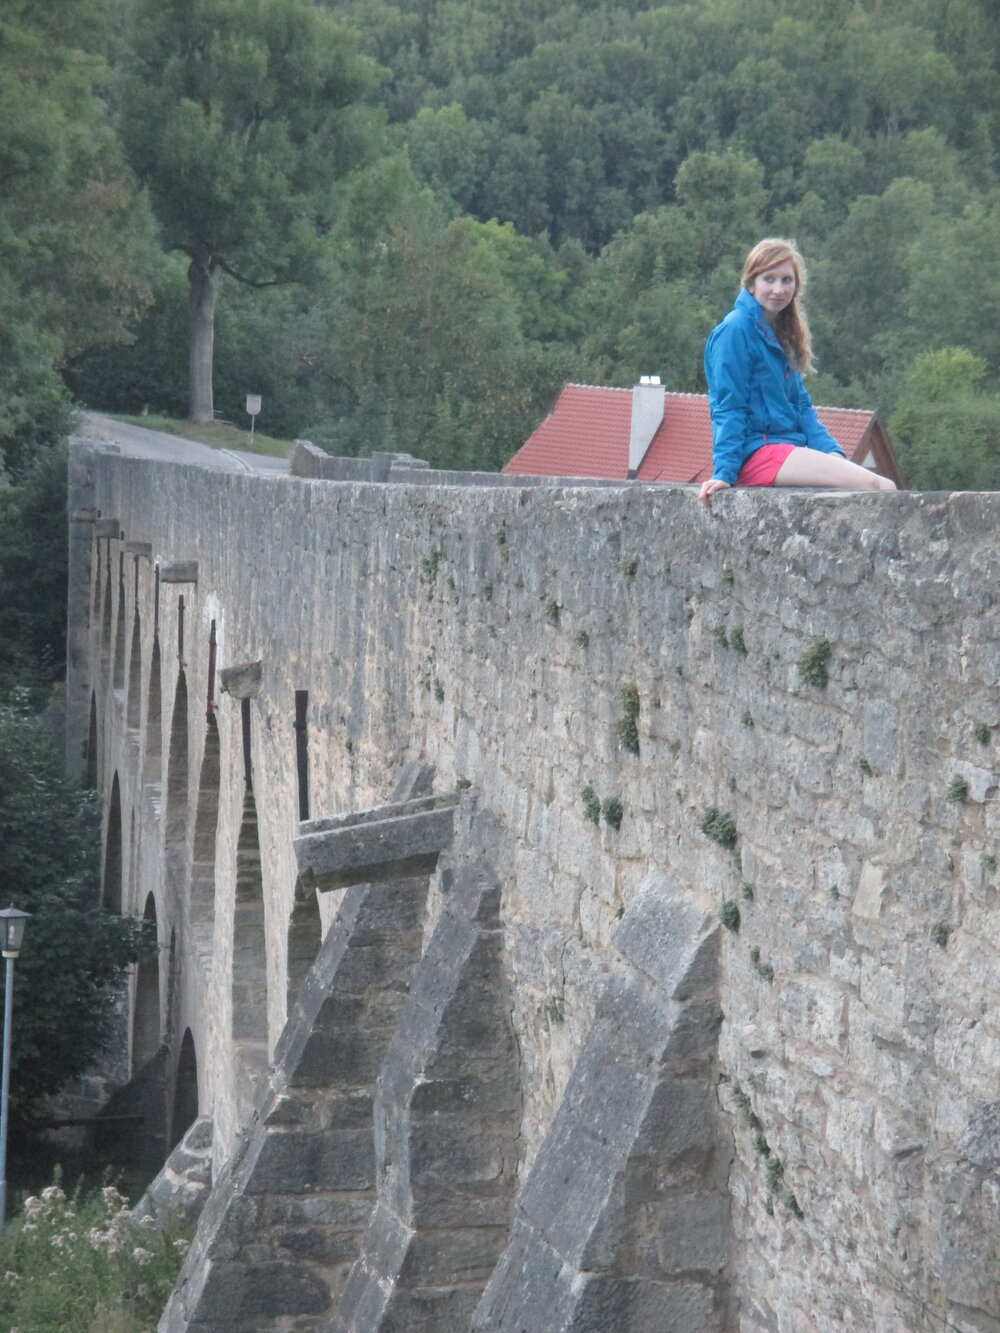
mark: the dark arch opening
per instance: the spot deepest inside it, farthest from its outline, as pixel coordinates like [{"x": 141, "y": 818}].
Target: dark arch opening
[
  {"x": 134, "y": 708},
  {"x": 146, "y": 1014},
  {"x": 106, "y": 621},
  {"x": 118, "y": 677},
  {"x": 152, "y": 768},
  {"x": 185, "y": 1109},
  {"x": 90, "y": 766},
  {"x": 205, "y": 826},
  {"x": 249, "y": 949},
  {"x": 177, "y": 768},
  {"x": 305, "y": 935},
  {"x": 112, "y": 880}
]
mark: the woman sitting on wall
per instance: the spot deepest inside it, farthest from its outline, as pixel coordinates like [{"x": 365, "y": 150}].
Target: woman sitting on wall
[{"x": 765, "y": 431}]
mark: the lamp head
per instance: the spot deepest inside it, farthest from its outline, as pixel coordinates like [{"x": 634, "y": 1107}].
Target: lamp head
[{"x": 12, "y": 923}]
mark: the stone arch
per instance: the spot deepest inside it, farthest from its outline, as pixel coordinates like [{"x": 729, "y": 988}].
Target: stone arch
[
  {"x": 118, "y": 674},
  {"x": 177, "y": 767},
  {"x": 146, "y": 1011},
  {"x": 305, "y": 935},
  {"x": 90, "y": 768},
  {"x": 205, "y": 825},
  {"x": 185, "y": 1107},
  {"x": 134, "y": 706},
  {"x": 111, "y": 883},
  {"x": 152, "y": 769}
]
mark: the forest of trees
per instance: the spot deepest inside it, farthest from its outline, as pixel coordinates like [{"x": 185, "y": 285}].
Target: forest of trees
[{"x": 405, "y": 225}]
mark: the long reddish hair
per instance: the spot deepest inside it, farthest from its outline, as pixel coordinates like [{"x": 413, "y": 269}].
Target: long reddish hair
[{"x": 791, "y": 326}]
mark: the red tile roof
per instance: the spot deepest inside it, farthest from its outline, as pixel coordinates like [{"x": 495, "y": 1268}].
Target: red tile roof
[{"x": 586, "y": 435}]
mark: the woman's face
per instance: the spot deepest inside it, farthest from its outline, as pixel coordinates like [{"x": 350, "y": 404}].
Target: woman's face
[{"x": 774, "y": 288}]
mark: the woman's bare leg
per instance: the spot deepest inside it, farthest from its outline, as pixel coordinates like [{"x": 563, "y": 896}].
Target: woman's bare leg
[{"x": 810, "y": 467}]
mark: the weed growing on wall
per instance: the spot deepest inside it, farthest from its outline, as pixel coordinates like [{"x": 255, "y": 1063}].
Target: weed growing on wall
[
  {"x": 764, "y": 970},
  {"x": 814, "y": 663},
  {"x": 82, "y": 1263},
  {"x": 940, "y": 934},
  {"x": 628, "y": 725},
  {"x": 981, "y": 733},
  {"x": 613, "y": 812},
  {"x": 429, "y": 567},
  {"x": 729, "y": 915},
  {"x": 591, "y": 804},
  {"x": 552, "y": 611},
  {"x": 719, "y": 826},
  {"x": 958, "y": 789}
]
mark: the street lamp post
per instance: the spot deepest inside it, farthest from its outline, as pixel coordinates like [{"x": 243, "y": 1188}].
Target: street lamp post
[{"x": 12, "y": 923}]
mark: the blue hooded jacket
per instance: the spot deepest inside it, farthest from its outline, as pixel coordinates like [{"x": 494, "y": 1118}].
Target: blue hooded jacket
[{"x": 754, "y": 394}]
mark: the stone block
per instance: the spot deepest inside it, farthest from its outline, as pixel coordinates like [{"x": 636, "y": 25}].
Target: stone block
[
  {"x": 242, "y": 681},
  {"x": 292, "y": 1163},
  {"x": 238, "y": 1296},
  {"x": 384, "y": 849},
  {"x": 179, "y": 571},
  {"x": 451, "y": 1258}
]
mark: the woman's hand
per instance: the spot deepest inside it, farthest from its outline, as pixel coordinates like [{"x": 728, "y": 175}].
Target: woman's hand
[{"x": 708, "y": 489}]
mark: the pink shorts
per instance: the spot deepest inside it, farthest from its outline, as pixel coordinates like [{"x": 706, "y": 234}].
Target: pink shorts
[{"x": 764, "y": 464}]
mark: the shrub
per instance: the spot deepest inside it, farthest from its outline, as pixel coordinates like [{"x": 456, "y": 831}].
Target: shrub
[
  {"x": 613, "y": 812},
  {"x": 719, "y": 826},
  {"x": 84, "y": 1263},
  {"x": 814, "y": 662},
  {"x": 628, "y": 726}
]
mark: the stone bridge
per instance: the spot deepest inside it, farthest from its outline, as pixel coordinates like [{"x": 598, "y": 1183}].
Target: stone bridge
[{"x": 578, "y": 911}]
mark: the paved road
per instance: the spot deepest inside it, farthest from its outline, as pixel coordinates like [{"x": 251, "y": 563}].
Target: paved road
[{"x": 137, "y": 442}]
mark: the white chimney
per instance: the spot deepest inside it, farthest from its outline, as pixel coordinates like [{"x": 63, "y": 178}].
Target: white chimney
[{"x": 648, "y": 398}]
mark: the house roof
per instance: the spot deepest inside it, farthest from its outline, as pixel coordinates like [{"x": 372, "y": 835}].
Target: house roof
[{"x": 587, "y": 435}]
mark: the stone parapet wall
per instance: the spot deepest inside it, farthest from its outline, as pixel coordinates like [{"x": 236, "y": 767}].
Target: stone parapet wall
[{"x": 788, "y": 706}]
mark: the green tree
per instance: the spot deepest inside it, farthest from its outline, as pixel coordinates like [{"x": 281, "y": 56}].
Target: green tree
[
  {"x": 443, "y": 338},
  {"x": 75, "y": 957},
  {"x": 33, "y": 577},
  {"x": 946, "y": 429},
  {"x": 241, "y": 116},
  {"x": 75, "y": 237}
]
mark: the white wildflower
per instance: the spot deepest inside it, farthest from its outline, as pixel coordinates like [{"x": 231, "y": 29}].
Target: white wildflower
[
  {"x": 33, "y": 1206},
  {"x": 181, "y": 1246},
  {"x": 53, "y": 1194},
  {"x": 148, "y": 1222},
  {"x": 141, "y": 1256},
  {"x": 10, "y": 1277}
]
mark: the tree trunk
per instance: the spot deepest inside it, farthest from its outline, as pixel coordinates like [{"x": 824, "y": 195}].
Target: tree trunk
[{"x": 204, "y": 277}]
